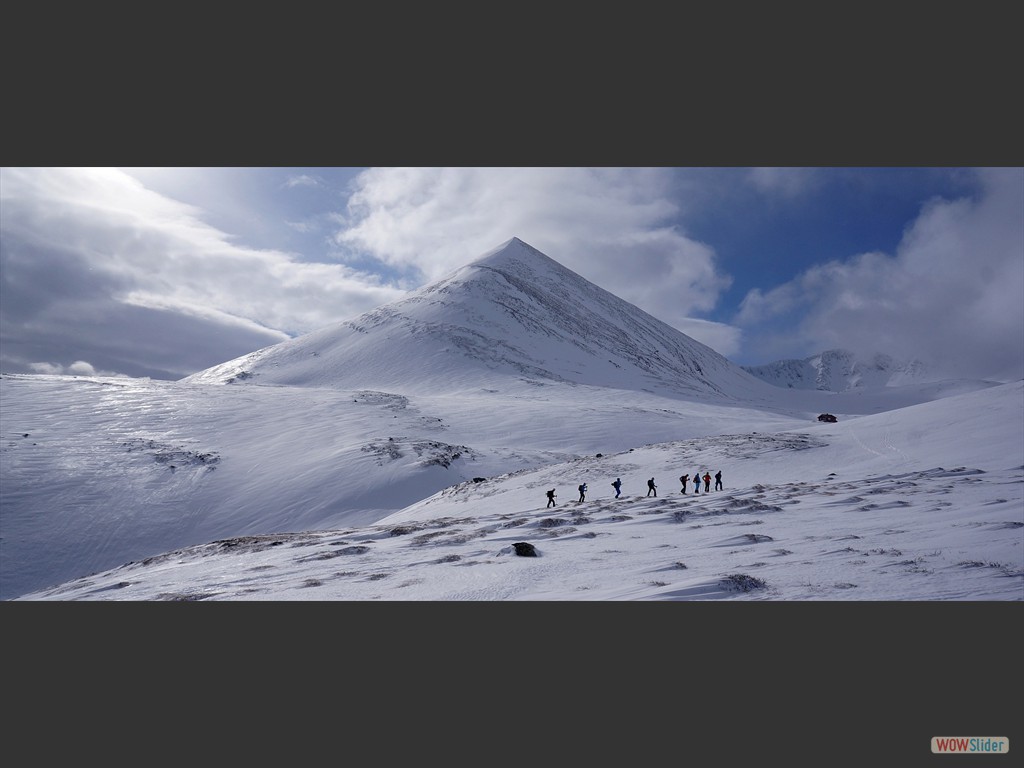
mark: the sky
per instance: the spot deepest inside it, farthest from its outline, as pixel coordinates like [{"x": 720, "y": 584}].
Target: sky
[{"x": 161, "y": 272}]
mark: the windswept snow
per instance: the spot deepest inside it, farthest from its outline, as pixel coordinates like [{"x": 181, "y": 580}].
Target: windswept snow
[
  {"x": 402, "y": 455},
  {"x": 896, "y": 506},
  {"x": 97, "y": 472}
]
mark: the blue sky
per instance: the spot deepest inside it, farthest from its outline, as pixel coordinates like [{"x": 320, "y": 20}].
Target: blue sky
[{"x": 164, "y": 271}]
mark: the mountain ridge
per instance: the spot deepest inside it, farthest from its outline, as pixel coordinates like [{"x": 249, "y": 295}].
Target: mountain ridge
[
  {"x": 841, "y": 370},
  {"x": 514, "y": 312}
]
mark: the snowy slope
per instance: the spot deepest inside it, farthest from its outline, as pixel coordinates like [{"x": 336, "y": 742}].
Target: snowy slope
[
  {"x": 128, "y": 468},
  {"x": 923, "y": 503}
]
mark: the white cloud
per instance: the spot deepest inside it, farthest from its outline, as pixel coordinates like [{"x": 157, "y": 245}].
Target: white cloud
[
  {"x": 951, "y": 294},
  {"x": 302, "y": 180},
  {"x": 149, "y": 244},
  {"x": 788, "y": 182},
  {"x": 725, "y": 339},
  {"x": 49, "y": 368},
  {"x": 613, "y": 226},
  {"x": 99, "y": 240},
  {"x": 77, "y": 368},
  {"x": 304, "y": 227}
]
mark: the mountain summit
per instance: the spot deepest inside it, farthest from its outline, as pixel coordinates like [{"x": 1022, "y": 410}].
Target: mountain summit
[{"x": 513, "y": 312}]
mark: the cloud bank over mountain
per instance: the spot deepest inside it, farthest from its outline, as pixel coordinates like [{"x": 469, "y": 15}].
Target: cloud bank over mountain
[
  {"x": 950, "y": 295},
  {"x": 164, "y": 272}
]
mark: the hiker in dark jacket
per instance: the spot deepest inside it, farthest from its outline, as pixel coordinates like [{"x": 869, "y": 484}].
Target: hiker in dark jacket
[
  {"x": 617, "y": 485},
  {"x": 718, "y": 480},
  {"x": 651, "y": 487},
  {"x": 683, "y": 479},
  {"x": 551, "y": 498},
  {"x": 583, "y": 491}
]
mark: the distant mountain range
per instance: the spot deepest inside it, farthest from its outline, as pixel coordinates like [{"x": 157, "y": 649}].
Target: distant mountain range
[{"x": 839, "y": 370}]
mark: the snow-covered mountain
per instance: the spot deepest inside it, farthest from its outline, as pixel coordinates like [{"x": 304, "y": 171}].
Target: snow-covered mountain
[
  {"x": 514, "y": 313},
  {"x": 512, "y": 364},
  {"x": 839, "y": 370}
]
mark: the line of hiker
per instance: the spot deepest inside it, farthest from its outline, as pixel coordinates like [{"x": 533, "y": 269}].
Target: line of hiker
[
  {"x": 652, "y": 488},
  {"x": 707, "y": 481}
]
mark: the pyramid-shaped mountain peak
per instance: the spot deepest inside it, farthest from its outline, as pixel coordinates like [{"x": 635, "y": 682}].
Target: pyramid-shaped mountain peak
[
  {"x": 518, "y": 256},
  {"x": 512, "y": 316},
  {"x": 512, "y": 250},
  {"x": 511, "y": 247},
  {"x": 512, "y": 260}
]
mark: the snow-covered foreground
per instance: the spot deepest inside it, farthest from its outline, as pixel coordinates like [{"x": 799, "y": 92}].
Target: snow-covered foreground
[
  {"x": 97, "y": 472},
  {"x": 920, "y": 503}
]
